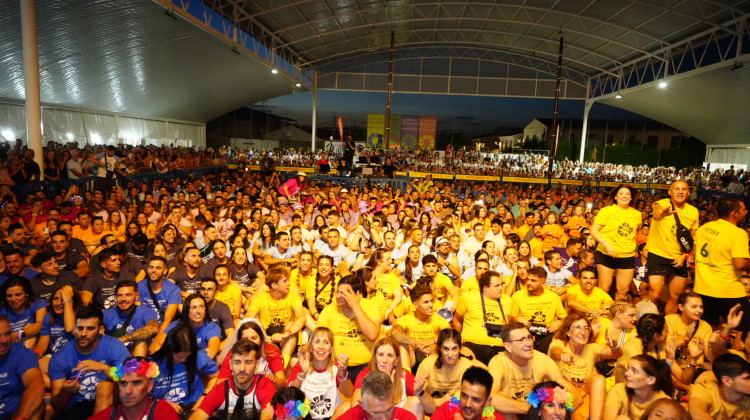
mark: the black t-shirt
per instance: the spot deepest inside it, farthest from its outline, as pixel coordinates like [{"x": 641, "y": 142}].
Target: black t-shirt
[
  {"x": 246, "y": 276},
  {"x": 104, "y": 290},
  {"x": 186, "y": 283},
  {"x": 70, "y": 261},
  {"x": 65, "y": 278},
  {"x": 221, "y": 316},
  {"x": 388, "y": 170},
  {"x": 31, "y": 168}
]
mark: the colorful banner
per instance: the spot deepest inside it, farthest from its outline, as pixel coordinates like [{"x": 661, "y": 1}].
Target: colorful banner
[
  {"x": 395, "y": 134},
  {"x": 427, "y": 132},
  {"x": 608, "y": 184},
  {"x": 401, "y": 173},
  {"x": 375, "y": 130},
  {"x": 434, "y": 176},
  {"x": 409, "y": 132},
  {"x": 478, "y": 178},
  {"x": 659, "y": 186},
  {"x": 340, "y": 123}
]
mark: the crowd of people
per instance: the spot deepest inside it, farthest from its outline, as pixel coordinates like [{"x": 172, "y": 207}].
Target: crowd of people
[{"x": 246, "y": 296}]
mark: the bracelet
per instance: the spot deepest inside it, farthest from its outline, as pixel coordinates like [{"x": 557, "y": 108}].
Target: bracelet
[
  {"x": 68, "y": 300},
  {"x": 668, "y": 362},
  {"x": 723, "y": 337},
  {"x": 345, "y": 376}
]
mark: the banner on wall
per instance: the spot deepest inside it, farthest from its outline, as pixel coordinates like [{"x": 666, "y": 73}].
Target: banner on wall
[
  {"x": 375, "y": 130},
  {"x": 395, "y": 134},
  {"x": 427, "y": 132},
  {"x": 409, "y": 132}
]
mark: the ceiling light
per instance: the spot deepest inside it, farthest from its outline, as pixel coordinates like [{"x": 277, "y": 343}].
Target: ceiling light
[
  {"x": 662, "y": 84},
  {"x": 274, "y": 71},
  {"x": 618, "y": 95},
  {"x": 298, "y": 84}
]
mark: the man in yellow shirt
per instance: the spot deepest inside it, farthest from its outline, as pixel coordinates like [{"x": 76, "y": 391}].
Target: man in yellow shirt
[
  {"x": 665, "y": 257},
  {"x": 279, "y": 311},
  {"x": 721, "y": 254},
  {"x": 480, "y": 313},
  {"x": 586, "y": 298},
  {"x": 538, "y": 308},
  {"x": 723, "y": 394},
  {"x": 418, "y": 331}
]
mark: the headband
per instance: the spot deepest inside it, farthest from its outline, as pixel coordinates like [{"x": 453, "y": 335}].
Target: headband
[
  {"x": 292, "y": 409},
  {"x": 140, "y": 367},
  {"x": 555, "y": 395}
]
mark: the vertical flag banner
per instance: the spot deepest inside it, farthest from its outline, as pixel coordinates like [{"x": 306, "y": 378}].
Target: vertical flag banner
[
  {"x": 395, "y": 133},
  {"x": 340, "y": 124},
  {"x": 375, "y": 130},
  {"x": 409, "y": 132},
  {"x": 427, "y": 132}
]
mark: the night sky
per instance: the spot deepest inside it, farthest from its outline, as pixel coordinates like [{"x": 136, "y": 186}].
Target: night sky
[{"x": 470, "y": 115}]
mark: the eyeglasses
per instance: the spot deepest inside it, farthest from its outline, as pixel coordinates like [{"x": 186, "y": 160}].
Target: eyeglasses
[
  {"x": 207, "y": 289},
  {"x": 579, "y": 328},
  {"x": 528, "y": 339}
]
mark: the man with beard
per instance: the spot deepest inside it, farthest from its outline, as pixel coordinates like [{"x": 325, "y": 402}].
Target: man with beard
[
  {"x": 22, "y": 385},
  {"x": 75, "y": 245},
  {"x": 539, "y": 308},
  {"x": 189, "y": 276},
  {"x": 476, "y": 386},
  {"x": 15, "y": 263},
  {"x": 246, "y": 390},
  {"x": 377, "y": 401},
  {"x": 161, "y": 296},
  {"x": 133, "y": 387},
  {"x": 51, "y": 277},
  {"x": 78, "y": 372},
  {"x": 518, "y": 369},
  {"x": 65, "y": 257},
  {"x": 19, "y": 239},
  {"x": 724, "y": 393},
  {"x": 135, "y": 325},
  {"x": 100, "y": 289}
]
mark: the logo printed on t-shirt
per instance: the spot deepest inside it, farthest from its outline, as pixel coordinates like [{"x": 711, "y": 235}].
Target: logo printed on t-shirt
[{"x": 625, "y": 230}]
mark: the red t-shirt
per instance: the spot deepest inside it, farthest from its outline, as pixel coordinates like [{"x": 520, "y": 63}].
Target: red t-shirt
[
  {"x": 163, "y": 411},
  {"x": 272, "y": 357},
  {"x": 262, "y": 391},
  {"x": 357, "y": 413},
  {"x": 445, "y": 413}
]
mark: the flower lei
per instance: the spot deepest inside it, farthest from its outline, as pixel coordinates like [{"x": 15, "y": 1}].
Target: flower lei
[
  {"x": 555, "y": 395},
  {"x": 454, "y": 406},
  {"x": 292, "y": 409},
  {"x": 140, "y": 367}
]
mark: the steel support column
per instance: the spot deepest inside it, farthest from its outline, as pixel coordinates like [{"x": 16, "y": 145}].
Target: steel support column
[
  {"x": 585, "y": 129},
  {"x": 314, "y": 92},
  {"x": 31, "y": 80}
]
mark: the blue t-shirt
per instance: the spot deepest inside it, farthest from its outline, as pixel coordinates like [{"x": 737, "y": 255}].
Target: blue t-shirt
[
  {"x": 175, "y": 388},
  {"x": 109, "y": 351},
  {"x": 203, "y": 334},
  {"x": 12, "y": 368},
  {"x": 114, "y": 318},
  {"x": 169, "y": 295},
  {"x": 28, "y": 316},
  {"x": 58, "y": 337}
]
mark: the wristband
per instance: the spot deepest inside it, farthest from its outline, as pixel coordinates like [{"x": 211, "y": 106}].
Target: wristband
[
  {"x": 723, "y": 337},
  {"x": 668, "y": 362},
  {"x": 420, "y": 393},
  {"x": 345, "y": 376},
  {"x": 69, "y": 300}
]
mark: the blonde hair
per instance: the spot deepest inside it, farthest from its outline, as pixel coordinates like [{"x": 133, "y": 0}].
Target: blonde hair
[
  {"x": 619, "y": 306},
  {"x": 398, "y": 370},
  {"x": 331, "y": 357}
]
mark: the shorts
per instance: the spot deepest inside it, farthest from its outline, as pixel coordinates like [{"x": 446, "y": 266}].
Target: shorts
[
  {"x": 626, "y": 263},
  {"x": 484, "y": 353},
  {"x": 660, "y": 266},
  {"x": 714, "y": 309}
]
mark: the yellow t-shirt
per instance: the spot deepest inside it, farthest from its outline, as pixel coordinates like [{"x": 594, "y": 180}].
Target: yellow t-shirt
[
  {"x": 445, "y": 380},
  {"x": 662, "y": 238},
  {"x": 440, "y": 288},
  {"x": 378, "y": 300},
  {"x": 231, "y": 296},
  {"x": 275, "y": 312},
  {"x": 523, "y": 230},
  {"x": 470, "y": 307},
  {"x": 418, "y": 330},
  {"x": 324, "y": 296},
  {"x": 595, "y": 300},
  {"x": 517, "y": 381},
  {"x": 706, "y": 389},
  {"x": 716, "y": 243},
  {"x": 677, "y": 328},
  {"x": 549, "y": 240},
  {"x": 536, "y": 246},
  {"x": 542, "y": 309},
  {"x": 300, "y": 282},
  {"x": 601, "y": 337},
  {"x": 386, "y": 284},
  {"x": 618, "y": 397},
  {"x": 574, "y": 222},
  {"x": 347, "y": 336},
  {"x": 470, "y": 285},
  {"x": 619, "y": 227},
  {"x": 583, "y": 366}
]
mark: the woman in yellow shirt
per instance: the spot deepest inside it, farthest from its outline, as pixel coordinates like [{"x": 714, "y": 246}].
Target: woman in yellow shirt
[
  {"x": 648, "y": 379},
  {"x": 322, "y": 291},
  {"x": 387, "y": 282},
  {"x": 615, "y": 228},
  {"x": 552, "y": 233}
]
